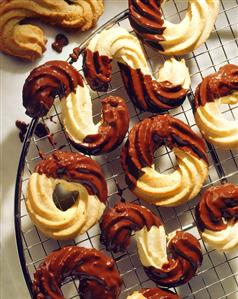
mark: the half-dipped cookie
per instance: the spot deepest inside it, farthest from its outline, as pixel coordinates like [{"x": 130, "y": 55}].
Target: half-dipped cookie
[
  {"x": 166, "y": 90},
  {"x": 137, "y": 161},
  {"x": 216, "y": 89},
  {"x": 217, "y": 216},
  {"x": 95, "y": 271},
  {"x": 59, "y": 78},
  {"x": 66, "y": 194},
  {"x": 191, "y": 32},
  {"x": 118, "y": 224}
]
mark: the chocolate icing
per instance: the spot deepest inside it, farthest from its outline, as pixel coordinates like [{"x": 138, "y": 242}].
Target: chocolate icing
[
  {"x": 149, "y": 94},
  {"x": 144, "y": 91},
  {"x": 219, "y": 84},
  {"x": 186, "y": 259},
  {"x": 22, "y": 127},
  {"x": 97, "y": 70},
  {"x": 96, "y": 272},
  {"x": 217, "y": 203},
  {"x": 75, "y": 167},
  {"x": 60, "y": 41},
  {"x": 119, "y": 222},
  {"x": 111, "y": 132},
  {"x": 54, "y": 78},
  {"x": 147, "y": 21},
  {"x": 151, "y": 133},
  {"x": 157, "y": 293}
]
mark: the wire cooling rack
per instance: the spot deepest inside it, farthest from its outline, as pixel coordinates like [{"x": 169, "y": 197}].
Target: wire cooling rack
[{"x": 218, "y": 275}]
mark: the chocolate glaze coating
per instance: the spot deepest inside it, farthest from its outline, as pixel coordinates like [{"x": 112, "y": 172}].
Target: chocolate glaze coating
[
  {"x": 186, "y": 259},
  {"x": 120, "y": 221},
  {"x": 54, "y": 78},
  {"x": 157, "y": 293},
  {"x": 216, "y": 85},
  {"x": 111, "y": 132},
  {"x": 148, "y": 135},
  {"x": 144, "y": 91},
  {"x": 147, "y": 21},
  {"x": 95, "y": 271},
  {"x": 97, "y": 70},
  {"x": 217, "y": 203},
  {"x": 75, "y": 167},
  {"x": 149, "y": 94}
]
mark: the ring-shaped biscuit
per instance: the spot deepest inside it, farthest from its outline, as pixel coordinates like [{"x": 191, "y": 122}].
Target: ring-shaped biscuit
[
  {"x": 147, "y": 20},
  {"x": 56, "y": 176},
  {"x": 216, "y": 89},
  {"x": 217, "y": 216},
  {"x": 96, "y": 272},
  {"x": 137, "y": 161}
]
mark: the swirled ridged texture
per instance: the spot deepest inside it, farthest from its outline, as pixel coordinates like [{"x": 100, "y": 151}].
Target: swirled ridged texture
[
  {"x": 166, "y": 91},
  {"x": 117, "y": 226},
  {"x": 89, "y": 138},
  {"x": 46, "y": 82},
  {"x": 60, "y": 78},
  {"x": 217, "y": 216},
  {"x": 153, "y": 293},
  {"x": 120, "y": 221},
  {"x": 74, "y": 172},
  {"x": 173, "y": 39},
  {"x": 96, "y": 272},
  {"x": 18, "y": 37},
  {"x": 137, "y": 161},
  {"x": 216, "y": 89}
]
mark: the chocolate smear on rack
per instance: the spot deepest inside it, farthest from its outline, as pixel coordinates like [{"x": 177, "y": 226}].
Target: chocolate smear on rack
[
  {"x": 60, "y": 41},
  {"x": 41, "y": 131},
  {"x": 22, "y": 126}
]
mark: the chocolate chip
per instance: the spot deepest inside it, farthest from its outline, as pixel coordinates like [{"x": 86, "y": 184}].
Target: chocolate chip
[
  {"x": 64, "y": 199},
  {"x": 60, "y": 41}
]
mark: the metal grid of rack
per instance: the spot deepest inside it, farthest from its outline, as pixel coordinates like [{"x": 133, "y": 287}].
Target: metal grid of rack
[{"x": 218, "y": 275}]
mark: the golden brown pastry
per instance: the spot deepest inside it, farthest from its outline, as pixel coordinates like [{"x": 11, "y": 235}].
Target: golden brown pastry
[{"x": 20, "y": 38}]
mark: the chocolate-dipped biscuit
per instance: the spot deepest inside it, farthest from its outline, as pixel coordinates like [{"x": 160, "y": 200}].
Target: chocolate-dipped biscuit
[
  {"x": 66, "y": 194},
  {"x": 137, "y": 161},
  {"x": 216, "y": 89},
  {"x": 96, "y": 272},
  {"x": 54, "y": 78},
  {"x": 217, "y": 215},
  {"x": 166, "y": 91},
  {"x": 147, "y": 20},
  {"x": 59, "y": 78},
  {"x": 118, "y": 224}
]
